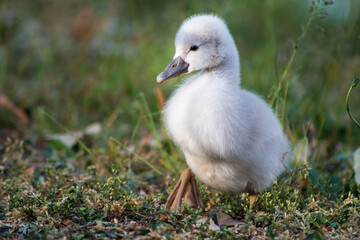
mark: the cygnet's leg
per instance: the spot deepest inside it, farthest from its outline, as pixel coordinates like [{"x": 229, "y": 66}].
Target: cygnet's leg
[
  {"x": 185, "y": 188},
  {"x": 252, "y": 198}
]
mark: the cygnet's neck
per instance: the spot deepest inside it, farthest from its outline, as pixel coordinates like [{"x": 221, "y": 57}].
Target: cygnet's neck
[{"x": 229, "y": 69}]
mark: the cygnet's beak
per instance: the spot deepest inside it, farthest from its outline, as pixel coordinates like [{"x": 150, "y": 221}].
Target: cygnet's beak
[{"x": 177, "y": 67}]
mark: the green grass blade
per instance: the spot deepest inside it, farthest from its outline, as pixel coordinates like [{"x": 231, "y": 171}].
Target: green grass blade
[{"x": 354, "y": 82}]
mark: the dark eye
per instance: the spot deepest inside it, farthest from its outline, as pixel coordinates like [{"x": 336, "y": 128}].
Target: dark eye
[{"x": 194, "y": 48}]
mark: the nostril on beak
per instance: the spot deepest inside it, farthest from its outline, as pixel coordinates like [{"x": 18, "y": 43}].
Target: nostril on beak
[{"x": 174, "y": 65}]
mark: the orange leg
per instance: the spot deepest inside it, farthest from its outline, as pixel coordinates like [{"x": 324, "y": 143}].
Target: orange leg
[
  {"x": 252, "y": 199},
  {"x": 186, "y": 189}
]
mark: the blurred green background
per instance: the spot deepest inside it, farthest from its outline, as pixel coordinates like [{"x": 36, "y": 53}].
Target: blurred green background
[{"x": 88, "y": 61}]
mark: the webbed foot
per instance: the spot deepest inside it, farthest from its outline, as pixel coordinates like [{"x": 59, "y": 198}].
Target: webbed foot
[{"x": 187, "y": 189}]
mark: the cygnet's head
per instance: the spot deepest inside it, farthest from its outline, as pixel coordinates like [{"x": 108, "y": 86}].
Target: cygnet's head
[{"x": 202, "y": 42}]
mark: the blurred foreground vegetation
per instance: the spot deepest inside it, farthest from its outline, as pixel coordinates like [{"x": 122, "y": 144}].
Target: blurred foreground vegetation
[{"x": 88, "y": 68}]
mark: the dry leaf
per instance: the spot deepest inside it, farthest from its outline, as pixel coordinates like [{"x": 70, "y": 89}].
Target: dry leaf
[
  {"x": 208, "y": 206},
  {"x": 224, "y": 219},
  {"x": 5, "y": 102},
  {"x": 93, "y": 129},
  {"x": 212, "y": 224},
  {"x": 131, "y": 225},
  {"x": 144, "y": 140},
  {"x": 160, "y": 97},
  {"x": 30, "y": 171},
  {"x": 85, "y": 26},
  {"x": 259, "y": 214},
  {"x": 66, "y": 222},
  {"x": 67, "y": 139},
  {"x": 304, "y": 182},
  {"x": 70, "y": 139}
]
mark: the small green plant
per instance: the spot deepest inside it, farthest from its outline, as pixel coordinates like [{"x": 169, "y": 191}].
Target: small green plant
[
  {"x": 316, "y": 11},
  {"x": 29, "y": 213}
]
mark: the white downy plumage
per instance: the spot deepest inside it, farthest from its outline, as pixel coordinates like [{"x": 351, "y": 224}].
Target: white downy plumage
[{"x": 232, "y": 140}]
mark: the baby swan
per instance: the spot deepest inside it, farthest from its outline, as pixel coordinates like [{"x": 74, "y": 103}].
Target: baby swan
[{"x": 231, "y": 139}]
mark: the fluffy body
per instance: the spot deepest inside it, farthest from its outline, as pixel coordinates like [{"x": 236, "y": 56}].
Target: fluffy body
[{"x": 232, "y": 140}]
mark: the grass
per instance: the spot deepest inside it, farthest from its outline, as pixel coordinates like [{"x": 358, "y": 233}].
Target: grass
[
  {"x": 54, "y": 199},
  {"x": 114, "y": 184},
  {"x": 354, "y": 82}
]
